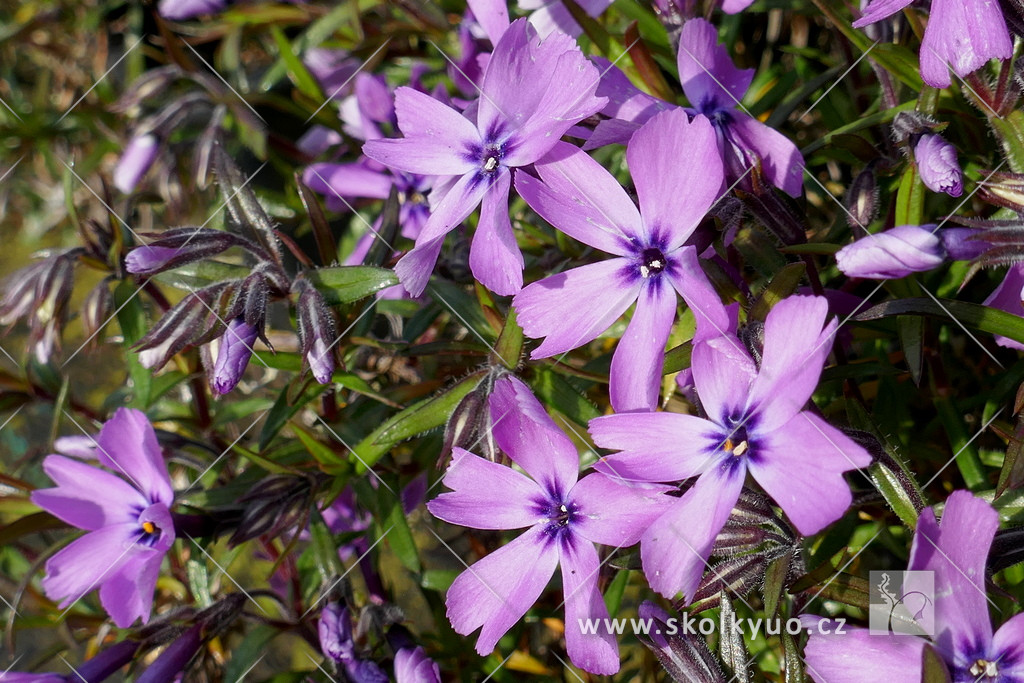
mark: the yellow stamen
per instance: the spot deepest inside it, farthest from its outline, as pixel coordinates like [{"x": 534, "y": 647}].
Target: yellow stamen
[
  {"x": 728, "y": 445},
  {"x": 148, "y": 527}
]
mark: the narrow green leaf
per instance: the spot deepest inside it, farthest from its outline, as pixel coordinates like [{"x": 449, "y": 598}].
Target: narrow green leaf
[
  {"x": 414, "y": 420},
  {"x": 967, "y": 459},
  {"x": 283, "y": 411},
  {"x": 330, "y": 462},
  {"x": 782, "y": 285},
  {"x": 247, "y": 653},
  {"x": 976, "y": 316},
  {"x": 345, "y": 284},
  {"x": 325, "y": 551},
  {"x": 199, "y": 582},
  {"x": 399, "y": 538},
  {"x": 794, "y": 665},
  {"x": 556, "y": 392},
  {"x": 297, "y": 71},
  {"x": 933, "y": 668},
  {"x": 911, "y": 331},
  {"x": 132, "y": 319},
  {"x": 616, "y": 589},
  {"x": 910, "y": 198},
  {"x": 775, "y": 582},
  {"x": 510, "y": 342}
]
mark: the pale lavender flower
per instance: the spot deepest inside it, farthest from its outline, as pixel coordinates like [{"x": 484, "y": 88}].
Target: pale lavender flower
[
  {"x": 233, "y": 355},
  {"x": 652, "y": 259},
  {"x": 563, "y": 516},
  {"x": 1009, "y": 297},
  {"x": 135, "y": 160},
  {"x": 907, "y": 249},
  {"x": 955, "y": 551},
  {"x": 961, "y": 35},
  {"x": 178, "y": 10},
  {"x": 755, "y": 424},
  {"x": 413, "y": 666},
  {"x": 129, "y": 522},
  {"x": 551, "y": 15},
  {"x": 937, "y": 165},
  {"x": 532, "y": 92},
  {"x": 333, "y": 69}
]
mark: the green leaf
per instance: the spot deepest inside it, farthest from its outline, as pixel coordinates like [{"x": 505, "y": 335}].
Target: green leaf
[
  {"x": 283, "y": 411},
  {"x": 251, "y": 650},
  {"x": 325, "y": 552},
  {"x": 399, "y": 538},
  {"x": 199, "y": 582},
  {"x": 785, "y": 282},
  {"x": 775, "y": 582},
  {"x": 933, "y": 668},
  {"x": 910, "y": 198},
  {"x": 297, "y": 71},
  {"x": 976, "y": 316},
  {"x": 556, "y": 392},
  {"x": 911, "y": 331},
  {"x": 616, "y": 589},
  {"x": 510, "y": 342},
  {"x": 794, "y": 666},
  {"x": 961, "y": 443},
  {"x": 330, "y": 462},
  {"x": 345, "y": 284},
  {"x": 132, "y": 319},
  {"x": 414, "y": 420},
  {"x": 678, "y": 358},
  {"x": 438, "y": 579},
  {"x": 1010, "y": 130}
]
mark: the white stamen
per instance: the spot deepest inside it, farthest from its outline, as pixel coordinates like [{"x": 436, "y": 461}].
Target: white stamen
[{"x": 491, "y": 164}]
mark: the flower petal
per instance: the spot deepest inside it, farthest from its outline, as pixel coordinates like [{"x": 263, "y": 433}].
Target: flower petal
[
  {"x": 616, "y": 514},
  {"x": 492, "y": 15},
  {"x": 1009, "y": 297},
  {"x": 524, "y": 430},
  {"x": 713, "y": 318},
  {"x": 437, "y": 141},
  {"x": 347, "y": 180},
  {"x": 655, "y": 446},
  {"x": 496, "y": 591},
  {"x": 675, "y": 196},
  {"x": 781, "y": 161},
  {"x": 127, "y": 594},
  {"x": 878, "y": 10},
  {"x": 962, "y": 35},
  {"x": 722, "y": 372},
  {"x": 472, "y": 502},
  {"x": 87, "y": 497},
  {"x": 710, "y": 79},
  {"x": 494, "y": 256},
  {"x": 955, "y": 551},
  {"x": 88, "y": 561},
  {"x": 800, "y": 466},
  {"x": 675, "y": 548},
  {"x": 857, "y": 655},
  {"x": 127, "y": 444},
  {"x": 582, "y": 199},
  {"x": 635, "y": 377},
  {"x": 597, "y": 652},
  {"x": 1008, "y": 648},
  {"x": 796, "y": 343},
  {"x": 571, "y": 309}
]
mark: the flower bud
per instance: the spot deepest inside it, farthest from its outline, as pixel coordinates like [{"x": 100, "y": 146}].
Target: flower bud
[
  {"x": 937, "y": 164},
  {"x": 97, "y": 308},
  {"x": 177, "y": 10},
  {"x": 233, "y": 356},
  {"x": 135, "y": 160},
  {"x": 335, "y": 631},
  {"x": 959, "y": 244},
  {"x": 413, "y": 666},
  {"x": 190, "y": 321},
  {"x": 894, "y": 253},
  {"x": 181, "y": 246},
  {"x": 683, "y": 655},
  {"x": 316, "y": 331}
]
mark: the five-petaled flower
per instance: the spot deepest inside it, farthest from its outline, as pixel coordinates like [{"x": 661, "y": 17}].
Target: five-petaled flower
[
  {"x": 954, "y": 551},
  {"x": 532, "y": 92},
  {"x": 755, "y": 423},
  {"x": 127, "y": 516},
  {"x": 564, "y": 518},
  {"x": 653, "y": 260}
]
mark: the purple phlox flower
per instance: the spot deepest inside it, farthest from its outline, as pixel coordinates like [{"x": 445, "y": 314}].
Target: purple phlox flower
[
  {"x": 491, "y": 16},
  {"x": 905, "y": 249},
  {"x": 233, "y": 355},
  {"x": 317, "y": 140},
  {"x": 135, "y": 160},
  {"x": 755, "y": 423},
  {"x": 177, "y": 10},
  {"x": 1009, "y": 297},
  {"x": 937, "y": 165},
  {"x": 714, "y": 87},
  {"x": 563, "y": 516},
  {"x": 370, "y": 105},
  {"x": 336, "y": 642},
  {"x": 342, "y": 184},
  {"x": 548, "y": 16},
  {"x": 127, "y": 516},
  {"x": 961, "y": 35},
  {"x": 532, "y": 92},
  {"x": 955, "y": 551},
  {"x": 93, "y": 670},
  {"x": 652, "y": 259},
  {"x": 413, "y": 666},
  {"x": 333, "y": 70}
]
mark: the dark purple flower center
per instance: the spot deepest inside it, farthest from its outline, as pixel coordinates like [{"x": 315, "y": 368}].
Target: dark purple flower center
[
  {"x": 735, "y": 440},
  {"x": 560, "y": 514},
  {"x": 652, "y": 262},
  {"x": 150, "y": 534},
  {"x": 490, "y": 159}
]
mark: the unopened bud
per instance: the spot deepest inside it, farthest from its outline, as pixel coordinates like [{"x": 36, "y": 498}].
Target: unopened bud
[
  {"x": 135, "y": 160},
  {"x": 233, "y": 356},
  {"x": 938, "y": 166},
  {"x": 891, "y": 254}
]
